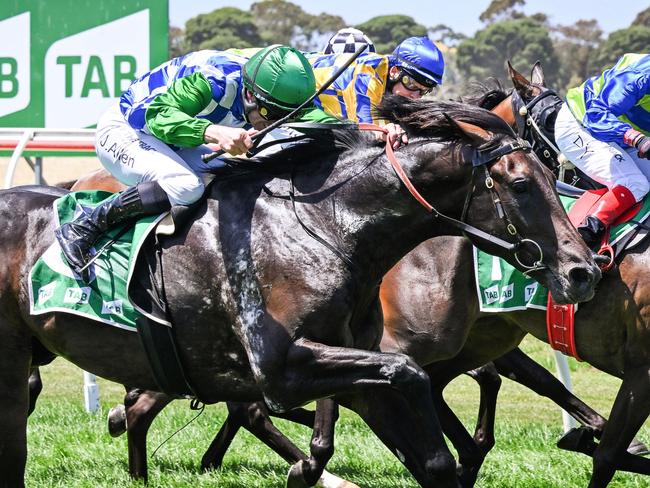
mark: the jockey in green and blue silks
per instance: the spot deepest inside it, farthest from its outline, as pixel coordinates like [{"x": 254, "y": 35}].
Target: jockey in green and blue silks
[
  {"x": 604, "y": 129},
  {"x": 154, "y": 138}
]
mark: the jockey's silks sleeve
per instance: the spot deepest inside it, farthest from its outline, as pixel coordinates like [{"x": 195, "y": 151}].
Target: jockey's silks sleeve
[
  {"x": 171, "y": 115},
  {"x": 357, "y": 90},
  {"x": 609, "y": 104}
]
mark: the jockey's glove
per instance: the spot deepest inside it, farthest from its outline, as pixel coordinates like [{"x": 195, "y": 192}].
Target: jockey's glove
[{"x": 638, "y": 140}]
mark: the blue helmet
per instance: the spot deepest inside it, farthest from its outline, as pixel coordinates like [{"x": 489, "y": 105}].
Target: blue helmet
[{"x": 420, "y": 57}]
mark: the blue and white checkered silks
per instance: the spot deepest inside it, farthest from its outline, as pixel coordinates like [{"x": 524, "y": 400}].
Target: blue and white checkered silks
[{"x": 223, "y": 71}]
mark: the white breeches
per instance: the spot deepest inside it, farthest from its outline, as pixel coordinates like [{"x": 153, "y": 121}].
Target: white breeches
[
  {"x": 606, "y": 162},
  {"x": 134, "y": 157}
]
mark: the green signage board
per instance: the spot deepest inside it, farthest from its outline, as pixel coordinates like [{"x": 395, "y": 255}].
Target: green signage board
[{"x": 64, "y": 62}]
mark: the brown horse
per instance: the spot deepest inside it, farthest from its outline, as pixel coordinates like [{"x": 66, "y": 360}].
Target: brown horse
[{"x": 251, "y": 341}]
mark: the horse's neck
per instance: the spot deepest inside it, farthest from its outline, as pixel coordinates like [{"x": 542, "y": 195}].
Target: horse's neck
[{"x": 504, "y": 111}]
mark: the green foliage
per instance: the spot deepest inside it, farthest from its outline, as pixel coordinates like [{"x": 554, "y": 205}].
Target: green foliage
[
  {"x": 642, "y": 18},
  {"x": 635, "y": 39},
  {"x": 500, "y": 9},
  {"x": 224, "y": 28},
  {"x": 387, "y": 31},
  {"x": 522, "y": 41},
  {"x": 575, "y": 46},
  {"x": 176, "y": 41},
  {"x": 282, "y": 22}
]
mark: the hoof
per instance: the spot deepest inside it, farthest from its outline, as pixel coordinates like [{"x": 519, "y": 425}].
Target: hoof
[
  {"x": 578, "y": 439},
  {"x": 295, "y": 478},
  {"x": 328, "y": 480},
  {"x": 638, "y": 448},
  {"x": 117, "y": 421}
]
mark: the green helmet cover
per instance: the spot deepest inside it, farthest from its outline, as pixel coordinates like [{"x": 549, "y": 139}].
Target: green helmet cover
[{"x": 280, "y": 76}]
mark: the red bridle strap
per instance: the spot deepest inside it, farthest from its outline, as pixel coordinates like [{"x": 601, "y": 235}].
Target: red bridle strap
[{"x": 390, "y": 154}]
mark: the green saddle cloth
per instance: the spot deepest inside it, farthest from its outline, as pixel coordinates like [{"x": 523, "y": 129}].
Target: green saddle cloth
[
  {"x": 503, "y": 288},
  {"x": 53, "y": 287}
]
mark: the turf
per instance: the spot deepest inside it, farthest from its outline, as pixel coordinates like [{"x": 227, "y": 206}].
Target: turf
[{"x": 71, "y": 448}]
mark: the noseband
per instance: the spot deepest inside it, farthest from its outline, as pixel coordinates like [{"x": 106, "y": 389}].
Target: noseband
[{"x": 483, "y": 158}]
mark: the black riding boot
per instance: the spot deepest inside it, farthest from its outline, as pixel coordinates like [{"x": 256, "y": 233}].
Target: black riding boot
[
  {"x": 592, "y": 231},
  {"x": 77, "y": 237}
]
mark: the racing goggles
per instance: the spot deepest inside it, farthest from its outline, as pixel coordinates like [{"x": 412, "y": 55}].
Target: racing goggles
[{"x": 411, "y": 84}]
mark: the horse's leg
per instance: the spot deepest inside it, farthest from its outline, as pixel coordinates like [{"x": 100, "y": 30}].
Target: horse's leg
[
  {"x": 489, "y": 383},
  {"x": 142, "y": 407},
  {"x": 313, "y": 370},
  {"x": 518, "y": 367},
  {"x": 310, "y": 470},
  {"x": 254, "y": 417},
  {"x": 14, "y": 404},
  {"x": 387, "y": 413},
  {"x": 631, "y": 409},
  {"x": 35, "y": 386}
]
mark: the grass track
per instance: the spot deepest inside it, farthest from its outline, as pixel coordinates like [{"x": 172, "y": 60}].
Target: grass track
[{"x": 70, "y": 448}]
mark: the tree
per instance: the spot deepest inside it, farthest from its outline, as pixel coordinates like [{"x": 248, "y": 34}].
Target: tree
[
  {"x": 282, "y": 22},
  {"x": 501, "y": 9},
  {"x": 642, "y": 18},
  {"x": 224, "y": 28},
  {"x": 634, "y": 39},
  {"x": 575, "y": 46},
  {"x": 522, "y": 41},
  {"x": 387, "y": 31},
  {"x": 176, "y": 41},
  {"x": 445, "y": 35}
]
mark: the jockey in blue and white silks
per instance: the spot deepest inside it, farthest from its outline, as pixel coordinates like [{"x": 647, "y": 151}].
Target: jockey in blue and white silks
[
  {"x": 154, "y": 138},
  {"x": 604, "y": 129}
]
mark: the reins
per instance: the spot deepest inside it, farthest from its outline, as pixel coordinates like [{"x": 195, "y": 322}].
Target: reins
[{"x": 482, "y": 158}]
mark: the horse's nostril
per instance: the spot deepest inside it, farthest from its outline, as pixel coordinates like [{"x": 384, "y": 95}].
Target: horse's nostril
[{"x": 579, "y": 275}]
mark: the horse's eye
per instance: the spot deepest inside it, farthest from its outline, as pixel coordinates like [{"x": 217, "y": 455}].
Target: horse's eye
[{"x": 520, "y": 186}]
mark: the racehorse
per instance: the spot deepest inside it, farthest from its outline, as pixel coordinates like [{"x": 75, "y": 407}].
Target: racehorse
[
  {"x": 540, "y": 105},
  {"x": 612, "y": 334},
  {"x": 287, "y": 319}
]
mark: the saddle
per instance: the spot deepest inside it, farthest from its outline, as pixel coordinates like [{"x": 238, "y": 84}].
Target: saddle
[{"x": 560, "y": 319}]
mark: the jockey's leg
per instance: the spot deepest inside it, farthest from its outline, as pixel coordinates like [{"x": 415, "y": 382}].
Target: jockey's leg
[
  {"x": 609, "y": 164},
  {"x": 157, "y": 176}
]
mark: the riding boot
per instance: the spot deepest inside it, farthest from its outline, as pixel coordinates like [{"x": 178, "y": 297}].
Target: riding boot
[
  {"x": 609, "y": 208},
  {"x": 77, "y": 237}
]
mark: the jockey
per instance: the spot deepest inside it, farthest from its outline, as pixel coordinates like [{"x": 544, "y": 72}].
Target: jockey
[
  {"x": 604, "y": 129},
  {"x": 154, "y": 138},
  {"x": 413, "y": 70}
]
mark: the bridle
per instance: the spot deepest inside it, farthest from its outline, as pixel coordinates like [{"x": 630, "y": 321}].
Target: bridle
[
  {"x": 533, "y": 120},
  {"x": 483, "y": 158}
]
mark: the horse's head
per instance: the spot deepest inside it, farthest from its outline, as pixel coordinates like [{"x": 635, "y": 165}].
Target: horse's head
[
  {"x": 500, "y": 188},
  {"x": 535, "y": 107}
]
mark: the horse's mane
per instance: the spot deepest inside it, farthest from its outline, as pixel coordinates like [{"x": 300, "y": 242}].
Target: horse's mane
[
  {"x": 486, "y": 95},
  {"x": 425, "y": 117},
  {"x": 431, "y": 118}
]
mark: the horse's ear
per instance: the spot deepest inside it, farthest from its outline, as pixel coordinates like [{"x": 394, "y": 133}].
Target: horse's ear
[
  {"x": 537, "y": 74},
  {"x": 521, "y": 84},
  {"x": 477, "y": 135}
]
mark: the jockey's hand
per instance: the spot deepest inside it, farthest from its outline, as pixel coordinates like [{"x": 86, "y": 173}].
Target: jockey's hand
[
  {"x": 638, "y": 140},
  {"x": 643, "y": 146},
  {"x": 395, "y": 135},
  {"x": 234, "y": 141}
]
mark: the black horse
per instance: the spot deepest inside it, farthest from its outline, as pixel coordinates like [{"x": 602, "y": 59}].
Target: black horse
[{"x": 264, "y": 311}]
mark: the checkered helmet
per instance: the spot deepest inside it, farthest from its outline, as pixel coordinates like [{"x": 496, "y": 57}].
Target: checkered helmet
[{"x": 348, "y": 40}]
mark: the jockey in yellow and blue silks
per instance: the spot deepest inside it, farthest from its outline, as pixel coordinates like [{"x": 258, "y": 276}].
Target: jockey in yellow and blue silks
[
  {"x": 414, "y": 69},
  {"x": 604, "y": 129}
]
